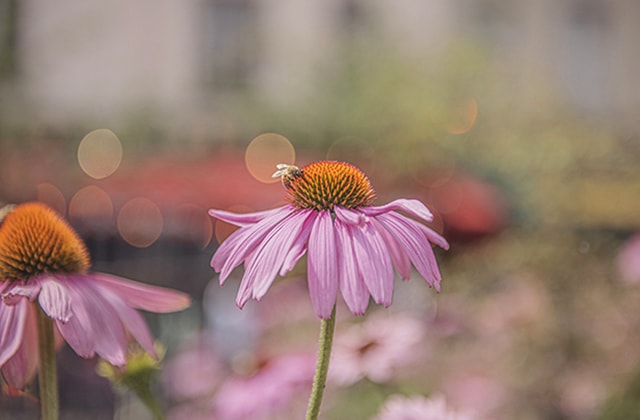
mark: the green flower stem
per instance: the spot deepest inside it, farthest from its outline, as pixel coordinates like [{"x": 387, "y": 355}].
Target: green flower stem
[
  {"x": 150, "y": 402},
  {"x": 47, "y": 376},
  {"x": 322, "y": 368}
]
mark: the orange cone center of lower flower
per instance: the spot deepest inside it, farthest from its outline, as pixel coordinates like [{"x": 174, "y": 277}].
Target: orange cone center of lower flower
[
  {"x": 325, "y": 184},
  {"x": 35, "y": 240}
]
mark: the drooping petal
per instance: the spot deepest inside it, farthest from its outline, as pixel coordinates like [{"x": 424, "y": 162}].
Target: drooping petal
[
  {"x": 349, "y": 216},
  {"x": 322, "y": 265},
  {"x": 79, "y": 331},
  {"x": 434, "y": 237},
  {"x": 241, "y": 219},
  {"x": 132, "y": 320},
  {"x": 414, "y": 243},
  {"x": 299, "y": 245},
  {"x": 17, "y": 290},
  {"x": 54, "y": 299},
  {"x": 297, "y": 251},
  {"x": 399, "y": 258},
  {"x": 352, "y": 286},
  {"x": 413, "y": 207},
  {"x": 246, "y": 285},
  {"x": 223, "y": 260},
  {"x": 272, "y": 252},
  {"x": 275, "y": 247},
  {"x": 374, "y": 262},
  {"x": 111, "y": 339},
  {"x": 101, "y": 330},
  {"x": 435, "y": 270},
  {"x": 22, "y": 366},
  {"x": 244, "y": 241},
  {"x": 12, "y": 325},
  {"x": 142, "y": 296}
]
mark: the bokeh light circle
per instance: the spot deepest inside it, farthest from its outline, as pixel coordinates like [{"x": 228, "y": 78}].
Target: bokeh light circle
[
  {"x": 140, "y": 222},
  {"x": 265, "y": 152},
  {"x": 91, "y": 203},
  {"x": 196, "y": 224},
  {"x": 100, "y": 153},
  {"x": 51, "y": 196},
  {"x": 463, "y": 116}
]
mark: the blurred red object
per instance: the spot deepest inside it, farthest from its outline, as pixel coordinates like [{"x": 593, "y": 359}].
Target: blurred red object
[
  {"x": 219, "y": 180},
  {"x": 467, "y": 207}
]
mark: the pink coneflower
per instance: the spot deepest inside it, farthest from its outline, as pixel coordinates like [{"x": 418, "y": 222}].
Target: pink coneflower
[
  {"x": 351, "y": 245},
  {"x": 376, "y": 349},
  {"x": 43, "y": 260},
  {"x": 398, "y": 407}
]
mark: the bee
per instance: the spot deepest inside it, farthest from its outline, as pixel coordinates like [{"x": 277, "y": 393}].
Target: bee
[{"x": 288, "y": 173}]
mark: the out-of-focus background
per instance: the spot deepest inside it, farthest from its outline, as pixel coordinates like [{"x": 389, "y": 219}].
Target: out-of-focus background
[{"x": 518, "y": 123}]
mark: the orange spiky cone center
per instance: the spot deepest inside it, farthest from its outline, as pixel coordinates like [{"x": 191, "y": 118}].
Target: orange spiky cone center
[
  {"x": 35, "y": 240},
  {"x": 325, "y": 184}
]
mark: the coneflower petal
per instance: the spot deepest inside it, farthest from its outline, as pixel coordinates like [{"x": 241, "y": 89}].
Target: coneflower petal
[
  {"x": 414, "y": 243},
  {"x": 352, "y": 286},
  {"x": 54, "y": 299},
  {"x": 133, "y": 322},
  {"x": 400, "y": 260},
  {"x": 410, "y": 206},
  {"x": 349, "y": 216},
  {"x": 12, "y": 324},
  {"x": 242, "y": 219},
  {"x": 322, "y": 264},
  {"x": 433, "y": 237},
  {"x": 374, "y": 262},
  {"x": 244, "y": 241},
  {"x": 299, "y": 245},
  {"x": 272, "y": 252},
  {"x": 78, "y": 331},
  {"x": 107, "y": 332},
  {"x": 16, "y": 291},
  {"x": 143, "y": 296},
  {"x": 20, "y": 368}
]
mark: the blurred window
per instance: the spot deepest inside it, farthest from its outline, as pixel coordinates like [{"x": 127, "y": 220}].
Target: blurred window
[
  {"x": 584, "y": 54},
  {"x": 356, "y": 21},
  {"x": 493, "y": 23},
  {"x": 230, "y": 43},
  {"x": 8, "y": 38}
]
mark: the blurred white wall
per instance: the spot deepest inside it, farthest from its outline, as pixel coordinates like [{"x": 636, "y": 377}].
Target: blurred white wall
[
  {"x": 89, "y": 59},
  {"x": 97, "y": 59}
]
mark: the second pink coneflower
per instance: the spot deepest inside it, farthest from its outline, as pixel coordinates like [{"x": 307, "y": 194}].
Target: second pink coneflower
[{"x": 44, "y": 275}]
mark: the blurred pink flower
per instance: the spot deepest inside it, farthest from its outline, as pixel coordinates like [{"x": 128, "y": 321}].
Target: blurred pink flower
[
  {"x": 42, "y": 258},
  {"x": 628, "y": 260},
  {"x": 475, "y": 391},
  {"x": 266, "y": 391},
  {"x": 201, "y": 384},
  {"x": 376, "y": 349},
  {"x": 352, "y": 246},
  {"x": 195, "y": 371},
  {"x": 582, "y": 392},
  {"x": 398, "y": 407}
]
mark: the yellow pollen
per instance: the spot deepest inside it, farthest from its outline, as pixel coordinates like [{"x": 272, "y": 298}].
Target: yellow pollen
[
  {"x": 35, "y": 240},
  {"x": 325, "y": 184}
]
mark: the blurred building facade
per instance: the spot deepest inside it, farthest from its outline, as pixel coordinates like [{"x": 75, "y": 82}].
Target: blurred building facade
[{"x": 71, "y": 60}]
